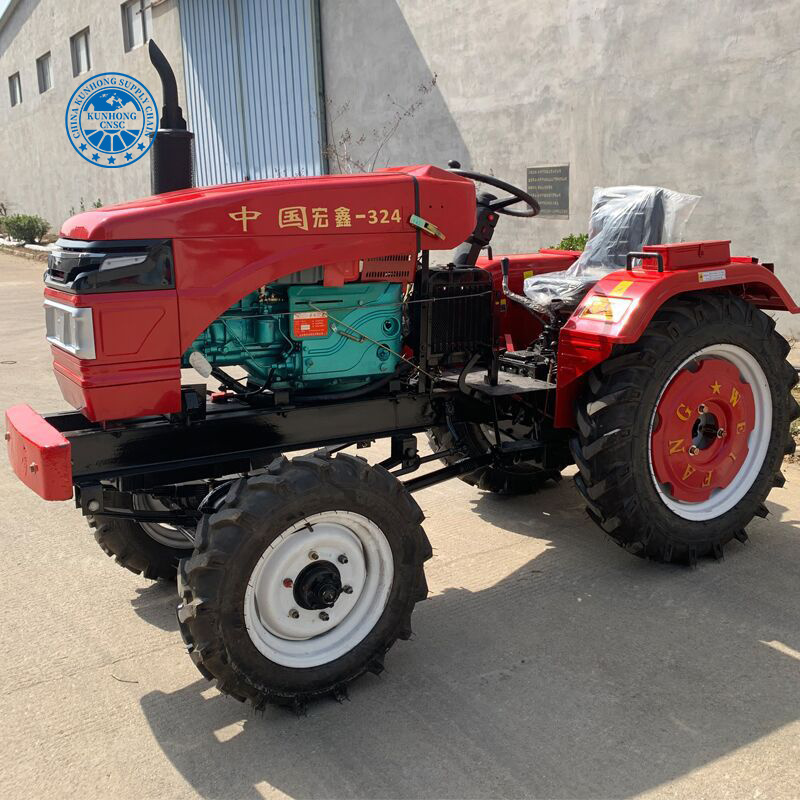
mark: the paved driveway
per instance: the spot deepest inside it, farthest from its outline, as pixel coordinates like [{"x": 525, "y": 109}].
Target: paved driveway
[{"x": 546, "y": 663}]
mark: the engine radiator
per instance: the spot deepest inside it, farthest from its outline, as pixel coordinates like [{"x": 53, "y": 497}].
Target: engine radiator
[{"x": 460, "y": 320}]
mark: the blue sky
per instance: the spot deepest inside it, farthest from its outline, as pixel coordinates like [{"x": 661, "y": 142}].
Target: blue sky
[{"x": 3, "y": 5}]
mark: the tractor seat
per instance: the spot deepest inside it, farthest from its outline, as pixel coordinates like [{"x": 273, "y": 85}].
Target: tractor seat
[{"x": 623, "y": 220}]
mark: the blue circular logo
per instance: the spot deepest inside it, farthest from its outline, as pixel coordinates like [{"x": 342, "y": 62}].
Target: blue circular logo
[{"x": 109, "y": 118}]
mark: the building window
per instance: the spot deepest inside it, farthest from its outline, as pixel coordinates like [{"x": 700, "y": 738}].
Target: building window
[
  {"x": 15, "y": 89},
  {"x": 43, "y": 73},
  {"x": 136, "y": 23},
  {"x": 81, "y": 56}
]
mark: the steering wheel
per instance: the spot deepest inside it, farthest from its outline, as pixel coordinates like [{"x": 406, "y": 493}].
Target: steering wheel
[{"x": 500, "y": 206}]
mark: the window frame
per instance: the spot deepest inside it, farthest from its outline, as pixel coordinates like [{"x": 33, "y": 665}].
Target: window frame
[
  {"x": 44, "y": 58},
  {"x": 15, "y": 89},
  {"x": 74, "y": 41},
  {"x": 141, "y": 26}
]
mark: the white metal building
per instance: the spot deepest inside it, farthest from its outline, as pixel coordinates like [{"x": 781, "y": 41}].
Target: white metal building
[{"x": 249, "y": 75}]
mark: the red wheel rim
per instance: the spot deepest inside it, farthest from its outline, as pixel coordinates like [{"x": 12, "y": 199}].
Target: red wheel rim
[{"x": 701, "y": 428}]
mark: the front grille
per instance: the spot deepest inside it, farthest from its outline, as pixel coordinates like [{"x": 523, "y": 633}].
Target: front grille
[{"x": 84, "y": 267}]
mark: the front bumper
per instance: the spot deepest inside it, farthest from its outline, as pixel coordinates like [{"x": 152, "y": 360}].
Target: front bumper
[{"x": 40, "y": 456}]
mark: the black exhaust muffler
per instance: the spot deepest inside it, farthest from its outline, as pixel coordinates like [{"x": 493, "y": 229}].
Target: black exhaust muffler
[{"x": 172, "y": 152}]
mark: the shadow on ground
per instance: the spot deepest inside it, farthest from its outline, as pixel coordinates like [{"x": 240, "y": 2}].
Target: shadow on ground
[
  {"x": 584, "y": 673},
  {"x": 155, "y": 604}
]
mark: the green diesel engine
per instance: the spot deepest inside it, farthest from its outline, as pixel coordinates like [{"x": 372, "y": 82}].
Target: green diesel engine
[{"x": 309, "y": 337}]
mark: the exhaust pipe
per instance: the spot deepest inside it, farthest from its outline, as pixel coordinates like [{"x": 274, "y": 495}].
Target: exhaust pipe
[{"x": 171, "y": 155}]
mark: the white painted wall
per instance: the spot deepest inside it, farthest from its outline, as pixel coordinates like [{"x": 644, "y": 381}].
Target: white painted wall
[{"x": 700, "y": 97}]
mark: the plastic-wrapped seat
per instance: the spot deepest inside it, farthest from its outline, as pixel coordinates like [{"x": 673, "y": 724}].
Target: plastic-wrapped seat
[{"x": 624, "y": 219}]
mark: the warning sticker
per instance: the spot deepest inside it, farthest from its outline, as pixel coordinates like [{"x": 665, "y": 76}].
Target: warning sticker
[
  {"x": 621, "y": 287},
  {"x": 309, "y": 323},
  {"x": 711, "y": 275}
]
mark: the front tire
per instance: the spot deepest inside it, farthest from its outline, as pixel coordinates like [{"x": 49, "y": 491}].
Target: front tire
[
  {"x": 682, "y": 434},
  {"x": 303, "y": 579}
]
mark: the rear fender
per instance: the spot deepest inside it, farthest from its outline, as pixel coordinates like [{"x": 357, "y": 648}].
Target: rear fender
[{"x": 586, "y": 341}]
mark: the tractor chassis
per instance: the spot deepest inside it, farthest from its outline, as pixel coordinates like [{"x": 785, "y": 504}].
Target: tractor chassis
[{"x": 187, "y": 457}]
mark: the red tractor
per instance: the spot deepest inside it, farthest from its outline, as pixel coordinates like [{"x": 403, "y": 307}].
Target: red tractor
[{"x": 663, "y": 380}]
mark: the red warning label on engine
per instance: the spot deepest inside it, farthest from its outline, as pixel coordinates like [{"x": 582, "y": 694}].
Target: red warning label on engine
[{"x": 309, "y": 323}]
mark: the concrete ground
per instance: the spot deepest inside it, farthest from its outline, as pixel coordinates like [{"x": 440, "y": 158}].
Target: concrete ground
[{"x": 546, "y": 663}]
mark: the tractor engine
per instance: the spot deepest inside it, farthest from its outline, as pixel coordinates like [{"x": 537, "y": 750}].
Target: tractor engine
[{"x": 308, "y": 337}]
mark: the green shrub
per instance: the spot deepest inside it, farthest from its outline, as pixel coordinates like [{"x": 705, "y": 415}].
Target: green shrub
[
  {"x": 27, "y": 227},
  {"x": 575, "y": 241}
]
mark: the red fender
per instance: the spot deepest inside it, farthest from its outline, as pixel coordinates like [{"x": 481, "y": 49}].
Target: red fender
[{"x": 625, "y": 301}]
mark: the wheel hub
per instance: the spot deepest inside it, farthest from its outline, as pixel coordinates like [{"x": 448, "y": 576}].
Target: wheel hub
[
  {"x": 700, "y": 437},
  {"x": 318, "y": 586},
  {"x": 318, "y": 589}
]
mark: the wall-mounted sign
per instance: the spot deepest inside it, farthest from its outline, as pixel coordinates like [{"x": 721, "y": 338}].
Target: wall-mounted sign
[{"x": 550, "y": 186}]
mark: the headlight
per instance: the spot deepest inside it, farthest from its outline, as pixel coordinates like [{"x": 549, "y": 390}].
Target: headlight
[
  {"x": 70, "y": 328},
  {"x": 605, "y": 309}
]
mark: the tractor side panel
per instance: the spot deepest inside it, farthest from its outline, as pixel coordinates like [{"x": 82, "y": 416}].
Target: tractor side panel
[
  {"x": 329, "y": 205},
  {"x": 136, "y": 368},
  {"x": 213, "y": 274}
]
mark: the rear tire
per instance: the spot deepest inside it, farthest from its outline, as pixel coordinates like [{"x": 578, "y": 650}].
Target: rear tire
[
  {"x": 151, "y": 550},
  {"x": 661, "y": 483},
  {"x": 253, "y": 611}
]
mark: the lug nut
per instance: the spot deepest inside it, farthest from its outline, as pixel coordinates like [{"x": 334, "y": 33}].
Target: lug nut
[
  {"x": 721, "y": 433},
  {"x": 342, "y": 559},
  {"x": 93, "y": 505},
  {"x": 701, "y": 409},
  {"x": 693, "y": 451},
  {"x": 313, "y": 555},
  {"x": 288, "y": 583},
  {"x": 323, "y": 615},
  {"x": 347, "y": 589},
  {"x": 294, "y": 613}
]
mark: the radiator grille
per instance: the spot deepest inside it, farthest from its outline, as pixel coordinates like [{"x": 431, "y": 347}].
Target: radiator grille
[{"x": 461, "y": 320}]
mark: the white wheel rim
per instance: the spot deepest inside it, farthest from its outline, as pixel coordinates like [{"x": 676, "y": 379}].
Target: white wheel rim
[
  {"x": 726, "y": 498},
  {"x": 293, "y": 636}
]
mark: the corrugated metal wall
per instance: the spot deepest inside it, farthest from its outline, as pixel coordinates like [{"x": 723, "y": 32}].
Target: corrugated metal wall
[{"x": 253, "y": 85}]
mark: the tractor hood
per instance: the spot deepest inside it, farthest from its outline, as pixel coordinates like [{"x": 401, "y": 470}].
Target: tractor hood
[{"x": 378, "y": 202}]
